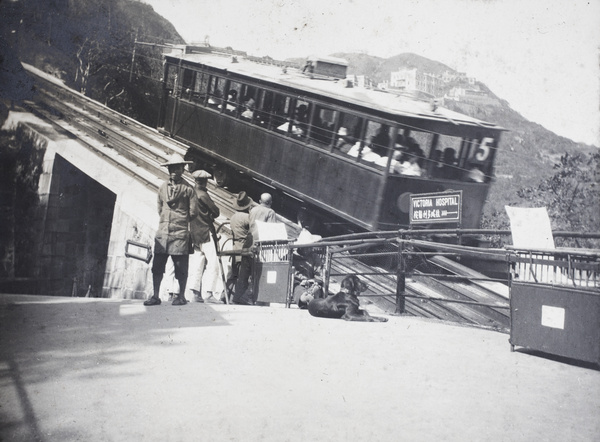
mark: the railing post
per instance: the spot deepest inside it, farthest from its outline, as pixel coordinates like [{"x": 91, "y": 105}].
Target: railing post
[
  {"x": 326, "y": 271},
  {"x": 401, "y": 280}
]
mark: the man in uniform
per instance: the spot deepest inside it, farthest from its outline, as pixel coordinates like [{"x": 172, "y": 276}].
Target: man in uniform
[{"x": 176, "y": 207}]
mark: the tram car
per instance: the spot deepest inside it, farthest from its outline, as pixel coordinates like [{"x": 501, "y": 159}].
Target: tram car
[{"x": 349, "y": 154}]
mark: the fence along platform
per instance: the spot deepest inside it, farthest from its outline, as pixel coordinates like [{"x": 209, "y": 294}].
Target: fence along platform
[{"x": 560, "y": 266}]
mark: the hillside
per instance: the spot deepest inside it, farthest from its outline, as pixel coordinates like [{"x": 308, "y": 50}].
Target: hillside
[{"x": 89, "y": 45}]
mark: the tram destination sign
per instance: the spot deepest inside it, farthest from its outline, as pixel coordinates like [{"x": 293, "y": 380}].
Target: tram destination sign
[{"x": 443, "y": 207}]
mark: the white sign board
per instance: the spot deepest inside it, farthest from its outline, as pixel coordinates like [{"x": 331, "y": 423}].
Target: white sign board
[
  {"x": 530, "y": 227},
  {"x": 553, "y": 317},
  {"x": 271, "y": 231}
]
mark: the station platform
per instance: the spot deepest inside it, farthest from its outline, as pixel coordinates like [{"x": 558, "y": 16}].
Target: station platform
[{"x": 114, "y": 370}]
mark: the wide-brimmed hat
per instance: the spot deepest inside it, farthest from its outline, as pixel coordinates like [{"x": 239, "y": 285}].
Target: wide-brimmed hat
[
  {"x": 176, "y": 159},
  {"x": 242, "y": 202},
  {"x": 200, "y": 174}
]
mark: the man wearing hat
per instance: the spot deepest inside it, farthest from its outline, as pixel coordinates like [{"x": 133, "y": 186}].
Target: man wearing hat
[
  {"x": 240, "y": 227},
  {"x": 176, "y": 207},
  {"x": 205, "y": 252}
]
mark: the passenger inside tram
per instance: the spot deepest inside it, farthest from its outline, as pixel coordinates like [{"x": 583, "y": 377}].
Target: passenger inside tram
[
  {"x": 448, "y": 169},
  {"x": 344, "y": 142},
  {"x": 300, "y": 123},
  {"x": 475, "y": 175},
  {"x": 409, "y": 165},
  {"x": 215, "y": 99},
  {"x": 321, "y": 129},
  {"x": 381, "y": 141},
  {"x": 435, "y": 164},
  {"x": 231, "y": 103},
  {"x": 248, "y": 107}
]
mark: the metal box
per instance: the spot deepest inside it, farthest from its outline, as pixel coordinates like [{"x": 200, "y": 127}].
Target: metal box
[
  {"x": 271, "y": 282},
  {"x": 556, "y": 319},
  {"x": 272, "y": 272}
]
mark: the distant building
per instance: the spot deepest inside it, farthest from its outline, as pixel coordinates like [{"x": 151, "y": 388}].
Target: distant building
[
  {"x": 472, "y": 95},
  {"x": 384, "y": 85},
  {"x": 412, "y": 79},
  {"x": 449, "y": 76},
  {"x": 360, "y": 81}
]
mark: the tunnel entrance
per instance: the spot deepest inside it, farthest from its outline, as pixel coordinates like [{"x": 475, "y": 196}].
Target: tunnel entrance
[{"x": 76, "y": 234}]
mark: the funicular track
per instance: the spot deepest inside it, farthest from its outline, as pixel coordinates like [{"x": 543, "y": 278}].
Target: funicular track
[
  {"x": 439, "y": 288},
  {"x": 139, "y": 150},
  {"x": 131, "y": 146}
]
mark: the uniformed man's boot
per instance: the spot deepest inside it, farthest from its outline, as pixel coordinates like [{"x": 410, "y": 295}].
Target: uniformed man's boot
[{"x": 154, "y": 300}]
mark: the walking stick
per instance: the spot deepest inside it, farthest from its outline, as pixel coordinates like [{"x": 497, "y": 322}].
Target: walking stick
[{"x": 213, "y": 234}]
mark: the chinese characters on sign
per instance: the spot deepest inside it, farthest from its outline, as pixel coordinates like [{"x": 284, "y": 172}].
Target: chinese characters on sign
[{"x": 427, "y": 208}]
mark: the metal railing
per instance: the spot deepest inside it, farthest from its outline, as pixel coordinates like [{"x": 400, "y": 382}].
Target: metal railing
[
  {"x": 564, "y": 267},
  {"x": 574, "y": 267}
]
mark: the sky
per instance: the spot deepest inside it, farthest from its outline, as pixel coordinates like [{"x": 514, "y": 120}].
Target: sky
[{"x": 542, "y": 56}]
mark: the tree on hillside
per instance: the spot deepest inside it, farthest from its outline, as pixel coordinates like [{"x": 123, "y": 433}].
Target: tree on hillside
[
  {"x": 89, "y": 45},
  {"x": 571, "y": 195}
]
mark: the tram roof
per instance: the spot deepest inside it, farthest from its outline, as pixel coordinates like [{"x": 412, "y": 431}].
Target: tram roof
[{"x": 383, "y": 101}]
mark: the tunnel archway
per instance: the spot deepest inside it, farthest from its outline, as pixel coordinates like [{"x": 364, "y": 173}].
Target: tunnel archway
[{"x": 76, "y": 233}]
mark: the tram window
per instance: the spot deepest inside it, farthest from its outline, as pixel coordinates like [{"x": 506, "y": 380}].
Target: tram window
[
  {"x": 376, "y": 143},
  {"x": 264, "y": 105},
  {"x": 171, "y": 78},
  {"x": 216, "y": 91},
  {"x": 295, "y": 114},
  {"x": 300, "y": 118},
  {"x": 248, "y": 102},
  {"x": 410, "y": 154},
  {"x": 348, "y": 132},
  {"x": 322, "y": 126},
  {"x": 280, "y": 112},
  {"x": 232, "y": 98},
  {"x": 379, "y": 138},
  {"x": 419, "y": 141},
  {"x": 200, "y": 87},
  {"x": 187, "y": 83},
  {"x": 443, "y": 161}
]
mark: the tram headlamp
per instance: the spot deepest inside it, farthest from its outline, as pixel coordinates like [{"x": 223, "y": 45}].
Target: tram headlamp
[{"x": 403, "y": 202}]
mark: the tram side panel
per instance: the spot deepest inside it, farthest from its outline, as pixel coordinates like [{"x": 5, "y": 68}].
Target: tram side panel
[
  {"x": 342, "y": 188},
  {"x": 339, "y": 186}
]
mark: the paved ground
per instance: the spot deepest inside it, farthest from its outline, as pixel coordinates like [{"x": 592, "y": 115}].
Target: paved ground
[{"x": 109, "y": 370}]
